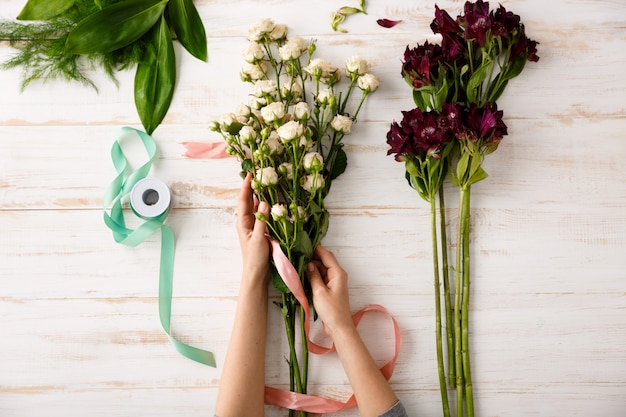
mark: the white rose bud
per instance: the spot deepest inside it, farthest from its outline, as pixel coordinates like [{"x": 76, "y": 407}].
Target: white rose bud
[
  {"x": 292, "y": 49},
  {"x": 260, "y": 28},
  {"x": 301, "y": 111},
  {"x": 324, "y": 96},
  {"x": 313, "y": 182},
  {"x": 264, "y": 88},
  {"x": 293, "y": 91},
  {"x": 248, "y": 135},
  {"x": 225, "y": 120},
  {"x": 341, "y": 124},
  {"x": 267, "y": 176},
  {"x": 290, "y": 130},
  {"x": 278, "y": 211},
  {"x": 253, "y": 72},
  {"x": 313, "y": 162},
  {"x": 274, "y": 144},
  {"x": 243, "y": 113},
  {"x": 286, "y": 170},
  {"x": 368, "y": 83},
  {"x": 278, "y": 33},
  {"x": 300, "y": 213},
  {"x": 253, "y": 53},
  {"x": 356, "y": 66},
  {"x": 273, "y": 112}
]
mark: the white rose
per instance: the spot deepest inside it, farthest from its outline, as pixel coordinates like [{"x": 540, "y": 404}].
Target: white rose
[
  {"x": 313, "y": 182},
  {"x": 273, "y": 112},
  {"x": 225, "y": 120},
  {"x": 253, "y": 53},
  {"x": 279, "y": 32},
  {"x": 318, "y": 68},
  {"x": 301, "y": 111},
  {"x": 313, "y": 162},
  {"x": 248, "y": 135},
  {"x": 274, "y": 144},
  {"x": 243, "y": 113},
  {"x": 278, "y": 211},
  {"x": 292, "y": 49},
  {"x": 264, "y": 88},
  {"x": 290, "y": 131},
  {"x": 253, "y": 72},
  {"x": 368, "y": 83},
  {"x": 324, "y": 96},
  {"x": 267, "y": 176},
  {"x": 305, "y": 143},
  {"x": 260, "y": 29},
  {"x": 356, "y": 66},
  {"x": 286, "y": 170},
  {"x": 292, "y": 90},
  {"x": 341, "y": 124}
]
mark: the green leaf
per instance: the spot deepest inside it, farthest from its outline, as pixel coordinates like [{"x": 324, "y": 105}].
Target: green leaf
[
  {"x": 418, "y": 100},
  {"x": 303, "y": 243},
  {"x": 188, "y": 27},
  {"x": 114, "y": 27},
  {"x": 476, "y": 81},
  {"x": 278, "y": 282},
  {"x": 44, "y": 9},
  {"x": 155, "y": 78},
  {"x": 479, "y": 175},
  {"x": 461, "y": 167},
  {"x": 247, "y": 165},
  {"x": 339, "y": 164}
]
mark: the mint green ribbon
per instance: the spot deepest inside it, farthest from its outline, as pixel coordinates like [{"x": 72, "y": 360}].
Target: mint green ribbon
[{"x": 118, "y": 191}]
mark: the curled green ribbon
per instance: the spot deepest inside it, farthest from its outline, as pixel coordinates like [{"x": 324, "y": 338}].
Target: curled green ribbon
[{"x": 117, "y": 193}]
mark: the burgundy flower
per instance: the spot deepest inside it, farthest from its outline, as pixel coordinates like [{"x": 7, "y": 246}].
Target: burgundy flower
[
  {"x": 452, "y": 40},
  {"x": 524, "y": 47},
  {"x": 420, "y": 62},
  {"x": 504, "y": 23},
  {"x": 451, "y": 119},
  {"x": 419, "y": 134},
  {"x": 477, "y": 21},
  {"x": 486, "y": 124}
]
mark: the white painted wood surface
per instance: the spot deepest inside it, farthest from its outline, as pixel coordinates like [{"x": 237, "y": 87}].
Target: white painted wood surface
[{"x": 80, "y": 331}]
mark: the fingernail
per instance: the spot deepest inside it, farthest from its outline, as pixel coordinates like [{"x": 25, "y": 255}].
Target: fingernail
[
  {"x": 310, "y": 267},
  {"x": 262, "y": 206}
]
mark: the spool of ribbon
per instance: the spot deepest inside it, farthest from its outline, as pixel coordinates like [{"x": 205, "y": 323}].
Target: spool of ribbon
[
  {"x": 150, "y": 199},
  {"x": 313, "y": 403}
]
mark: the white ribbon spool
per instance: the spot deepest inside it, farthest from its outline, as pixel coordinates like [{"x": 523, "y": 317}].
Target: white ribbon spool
[{"x": 150, "y": 198}]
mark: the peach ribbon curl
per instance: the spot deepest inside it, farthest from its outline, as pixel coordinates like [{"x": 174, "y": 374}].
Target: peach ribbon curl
[{"x": 285, "y": 398}]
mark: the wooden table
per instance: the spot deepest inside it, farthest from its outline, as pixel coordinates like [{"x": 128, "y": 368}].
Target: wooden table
[{"x": 80, "y": 330}]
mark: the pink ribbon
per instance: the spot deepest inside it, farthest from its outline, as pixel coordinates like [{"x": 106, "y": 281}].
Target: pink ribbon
[
  {"x": 213, "y": 150},
  {"x": 312, "y": 403}
]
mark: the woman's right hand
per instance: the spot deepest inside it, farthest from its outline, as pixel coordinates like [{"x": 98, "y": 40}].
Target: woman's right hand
[{"x": 329, "y": 283}]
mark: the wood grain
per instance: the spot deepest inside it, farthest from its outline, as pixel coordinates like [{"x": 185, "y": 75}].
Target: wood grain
[{"x": 81, "y": 334}]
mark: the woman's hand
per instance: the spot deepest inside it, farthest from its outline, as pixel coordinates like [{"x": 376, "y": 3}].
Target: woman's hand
[
  {"x": 329, "y": 283},
  {"x": 255, "y": 248}
]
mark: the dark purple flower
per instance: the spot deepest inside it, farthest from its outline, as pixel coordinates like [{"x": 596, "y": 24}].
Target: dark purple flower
[
  {"x": 504, "y": 23},
  {"x": 477, "y": 21},
  {"x": 420, "y": 62},
  {"x": 451, "y": 118},
  {"x": 524, "y": 47},
  {"x": 386, "y": 23},
  {"x": 485, "y": 124},
  {"x": 419, "y": 134},
  {"x": 452, "y": 40}
]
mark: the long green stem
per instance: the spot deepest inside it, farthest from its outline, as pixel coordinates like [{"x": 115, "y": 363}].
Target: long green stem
[
  {"x": 457, "y": 319},
  {"x": 440, "y": 366},
  {"x": 446, "y": 288},
  {"x": 465, "y": 227}
]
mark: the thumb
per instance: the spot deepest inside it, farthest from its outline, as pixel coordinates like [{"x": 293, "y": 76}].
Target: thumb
[{"x": 314, "y": 276}]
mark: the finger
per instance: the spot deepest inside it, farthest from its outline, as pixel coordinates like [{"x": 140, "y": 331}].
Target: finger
[
  {"x": 315, "y": 278},
  {"x": 260, "y": 227},
  {"x": 245, "y": 217}
]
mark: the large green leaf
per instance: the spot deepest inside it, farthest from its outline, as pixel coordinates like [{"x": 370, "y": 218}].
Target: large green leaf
[
  {"x": 339, "y": 164},
  {"x": 188, "y": 27},
  {"x": 155, "y": 78},
  {"x": 44, "y": 9},
  {"x": 114, "y": 27}
]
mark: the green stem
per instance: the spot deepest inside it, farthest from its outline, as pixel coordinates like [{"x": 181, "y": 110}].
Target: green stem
[
  {"x": 465, "y": 227},
  {"x": 440, "y": 366},
  {"x": 446, "y": 288},
  {"x": 457, "y": 319}
]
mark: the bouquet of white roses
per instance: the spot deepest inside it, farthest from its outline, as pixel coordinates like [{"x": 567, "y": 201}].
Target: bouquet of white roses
[{"x": 290, "y": 137}]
